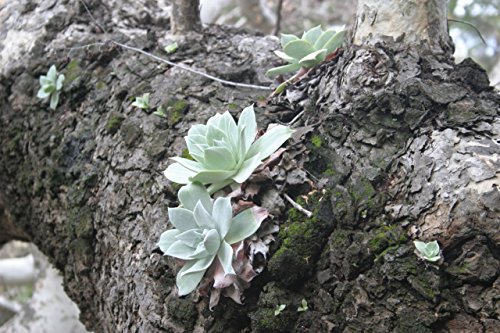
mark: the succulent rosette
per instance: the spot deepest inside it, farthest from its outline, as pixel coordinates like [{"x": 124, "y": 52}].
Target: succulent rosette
[
  {"x": 204, "y": 231},
  {"x": 428, "y": 251},
  {"x": 51, "y": 85},
  {"x": 307, "y": 51},
  {"x": 224, "y": 152}
]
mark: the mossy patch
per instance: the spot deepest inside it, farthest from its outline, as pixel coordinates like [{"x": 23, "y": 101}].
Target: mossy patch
[
  {"x": 114, "y": 123},
  {"x": 176, "y": 110},
  {"x": 185, "y": 154},
  {"x": 301, "y": 239},
  {"x": 71, "y": 72},
  {"x": 316, "y": 141},
  {"x": 386, "y": 237}
]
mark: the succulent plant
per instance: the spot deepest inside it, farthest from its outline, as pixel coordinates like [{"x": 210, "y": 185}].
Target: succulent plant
[
  {"x": 50, "y": 85},
  {"x": 224, "y": 152},
  {"x": 307, "y": 51},
  {"x": 204, "y": 232},
  {"x": 428, "y": 251},
  {"x": 142, "y": 102}
]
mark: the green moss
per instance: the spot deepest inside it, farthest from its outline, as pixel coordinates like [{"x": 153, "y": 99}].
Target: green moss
[
  {"x": 176, "y": 111},
  {"x": 100, "y": 85},
  {"x": 386, "y": 237},
  {"x": 114, "y": 123},
  {"x": 71, "y": 72},
  {"x": 232, "y": 106},
  {"x": 316, "y": 141},
  {"x": 185, "y": 154},
  {"x": 264, "y": 321},
  {"x": 301, "y": 241}
]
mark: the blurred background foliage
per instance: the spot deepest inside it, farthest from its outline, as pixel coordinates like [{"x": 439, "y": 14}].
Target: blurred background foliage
[{"x": 298, "y": 15}]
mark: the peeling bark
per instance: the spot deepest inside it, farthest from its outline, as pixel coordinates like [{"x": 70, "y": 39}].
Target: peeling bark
[{"x": 404, "y": 146}]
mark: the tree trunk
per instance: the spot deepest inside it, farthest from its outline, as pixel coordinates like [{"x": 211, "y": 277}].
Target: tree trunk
[
  {"x": 185, "y": 16},
  {"x": 404, "y": 146}
]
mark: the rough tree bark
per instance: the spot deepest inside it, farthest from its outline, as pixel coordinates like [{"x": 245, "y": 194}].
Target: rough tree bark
[
  {"x": 185, "y": 16},
  {"x": 404, "y": 146}
]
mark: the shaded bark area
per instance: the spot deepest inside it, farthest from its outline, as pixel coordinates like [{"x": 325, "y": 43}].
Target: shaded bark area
[
  {"x": 405, "y": 145},
  {"x": 185, "y": 16}
]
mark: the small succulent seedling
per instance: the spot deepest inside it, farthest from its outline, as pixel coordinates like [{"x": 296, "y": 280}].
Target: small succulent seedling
[
  {"x": 308, "y": 51},
  {"x": 142, "y": 102},
  {"x": 204, "y": 232},
  {"x": 278, "y": 309},
  {"x": 171, "y": 48},
  {"x": 51, "y": 85},
  {"x": 160, "y": 112},
  {"x": 224, "y": 152},
  {"x": 428, "y": 251},
  {"x": 303, "y": 306}
]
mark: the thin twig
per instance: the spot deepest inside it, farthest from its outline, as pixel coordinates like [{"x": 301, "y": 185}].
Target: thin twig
[
  {"x": 297, "y": 117},
  {"x": 277, "y": 28},
  {"x": 472, "y": 26},
  {"x": 189, "y": 69},
  {"x": 92, "y": 17},
  {"x": 297, "y": 206}
]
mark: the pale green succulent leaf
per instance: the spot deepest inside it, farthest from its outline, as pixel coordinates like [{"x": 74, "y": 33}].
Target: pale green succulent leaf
[
  {"x": 190, "y": 237},
  {"x": 223, "y": 214},
  {"x": 202, "y": 217},
  {"x": 244, "y": 225},
  {"x": 433, "y": 259},
  {"x": 212, "y": 241},
  {"x": 312, "y": 34},
  {"x": 60, "y": 81},
  {"x": 42, "y": 93},
  {"x": 225, "y": 256},
  {"x": 313, "y": 59},
  {"x": 178, "y": 173},
  {"x": 54, "y": 100},
  {"x": 198, "y": 129},
  {"x": 180, "y": 250},
  {"x": 247, "y": 168},
  {"x": 420, "y": 246},
  {"x": 323, "y": 39},
  {"x": 167, "y": 238},
  {"x": 219, "y": 158},
  {"x": 199, "y": 265},
  {"x": 52, "y": 74},
  {"x": 189, "y": 164},
  {"x": 182, "y": 218},
  {"x": 214, "y": 187},
  {"x": 298, "y": 49},
  {"x": 186, "y": 283},
  {"x": 432, "y": 248},
  {"x": 270, "y": 141},
  {"x": 228, "y": 126},
  {"x": 212, "y": 176},
  {"x": 285, "y": 57},
  {"x": 248, "y": 126},
  {"x": 191, "y": 194},
  {"x": 335, "y": 42},
  {"x": 45, "y": 81},
  {"x": 283, "y": 69},
  {"x": 287, "y": 38}
]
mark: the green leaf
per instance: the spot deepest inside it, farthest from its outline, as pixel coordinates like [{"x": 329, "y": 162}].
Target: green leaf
[
  {"x": 298, "y": 49},
  {"x": 171, "y": 48},
  {"x": 285, "y": 57},
  {"x": 178, "y": 173},
  {"x": 247, "y": 121},
  {"x": 283, "y": 69},
  {"x": 335, "y": 42},
  {"x": 243, "y": 225},
  {"x": 160, "y": 112},
  {"x": 167, "y": 239},
  {"x": 287, "y": 38},
  {"x": 225, "y": 256},
  {"x": 303, "y": 306},
  {"x": 191, "y": 194},
  {"x": 182, "y": 219},
  {"x": 323, "y": 39},
  {"x": 180, "y": 250},
  {"x": 45, "y": 81},
  {"x": 59, "y": 82},
  {"x": 189, "y": 164},
  {"x": 54, "y": 100},
  {"x": 420, "y": 246},
  {"x": 280, "y": 88},
  {"x": 219, "y": 158},
  {"x": 313, "y": 34},
  {"x": 222, "y": 214},
  {"x": 52, "y": 74},
  {"x": 313, "y": 59},
  {"x": 247, "y": 168},
  {"x": 212, "y": 241},
  {"x": 191, "y": 237},
  {"x": 270, "y": 141},
  {"x": 212, "y": 176},
  {"x": 186, "y": 283},
  {"x": 219, "y": 185},
  {"x": 42, "y": 93},
  {"x": 202, "y": 217},
  {"x": 432, "y": 249},
  {"x": 278, "y": 309}
]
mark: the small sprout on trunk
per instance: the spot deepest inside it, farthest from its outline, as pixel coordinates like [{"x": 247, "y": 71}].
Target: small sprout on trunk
[
  {"x": 160, "y": 112},
  {"x": 51, "y": 85},
  {"x": 303, "y": 306},
  {"x": 142, "y": 102},
  {"x": 428, "y": 251},
  {"x": 278, "y": 309},
  {"x": 171, "y": 48}
]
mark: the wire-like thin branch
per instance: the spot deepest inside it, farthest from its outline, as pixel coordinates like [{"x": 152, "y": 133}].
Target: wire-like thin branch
[
  {"x": 277, "y": 28},
  {"x": 297, "y": 206},
  {"x": 472, "y": 26},
  {"x": 189, "y": 69}
]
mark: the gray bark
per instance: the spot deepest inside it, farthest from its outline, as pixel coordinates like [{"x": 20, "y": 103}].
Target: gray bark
[{"x": 404, "y": 146}]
